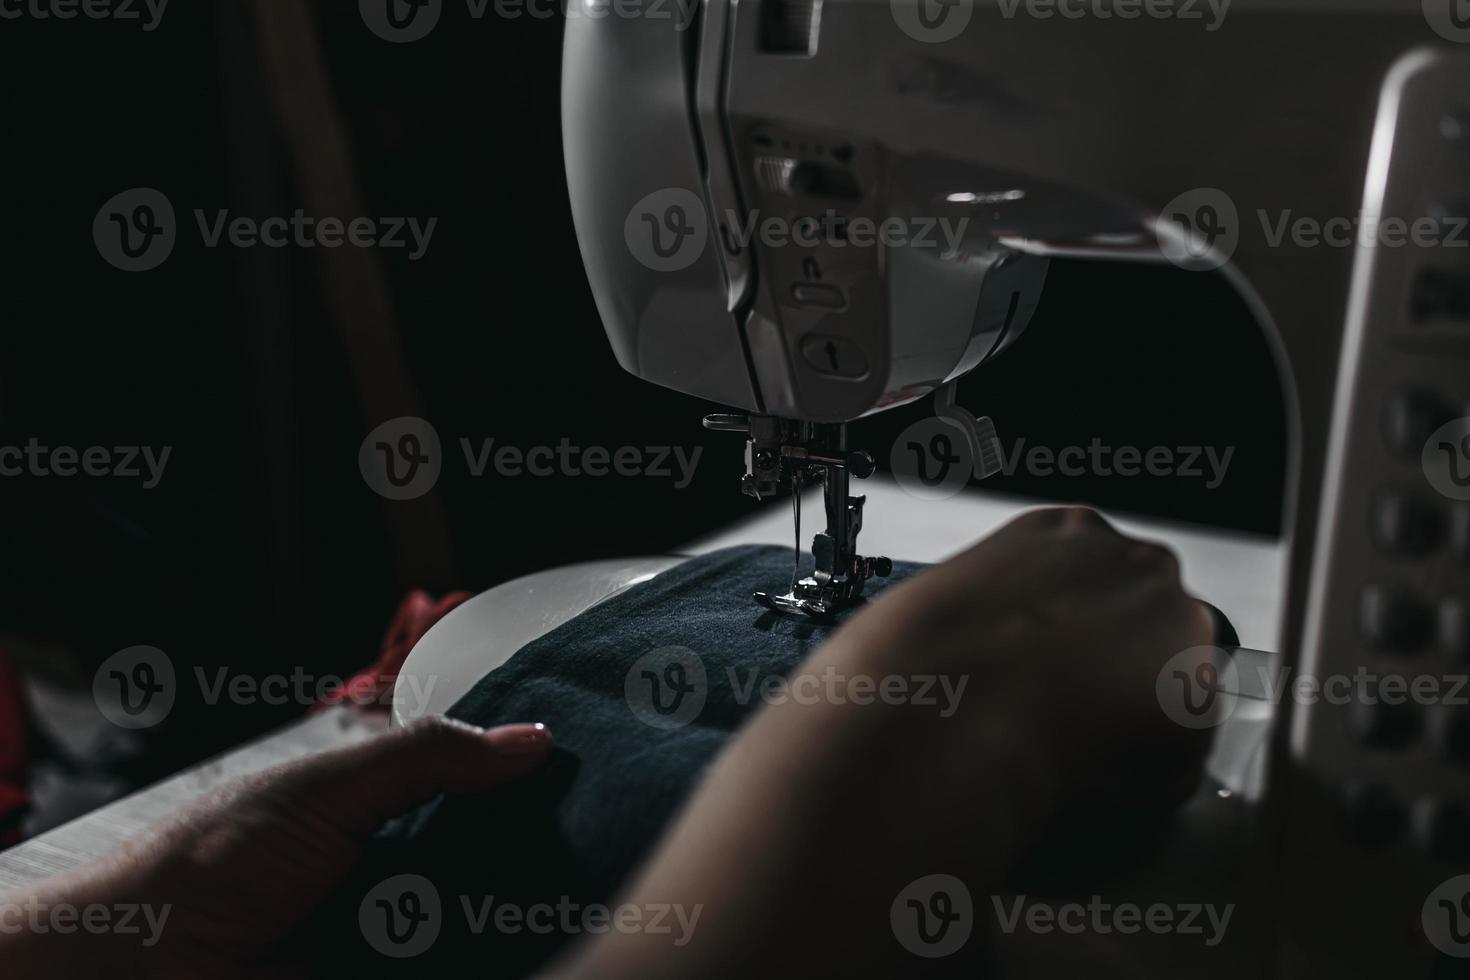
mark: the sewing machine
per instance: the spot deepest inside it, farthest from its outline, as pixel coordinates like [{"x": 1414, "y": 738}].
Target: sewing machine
[{"x": 1085, "y": 132}]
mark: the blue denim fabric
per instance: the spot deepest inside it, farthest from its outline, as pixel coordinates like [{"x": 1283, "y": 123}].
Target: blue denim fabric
[{"x": 573, "y": 832}]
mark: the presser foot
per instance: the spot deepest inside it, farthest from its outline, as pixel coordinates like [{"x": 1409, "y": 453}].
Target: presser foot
[
  {"x": 792, "y": 603},
  {"x": 782, "y": 455},
  {"x": 822, "y": 600}
]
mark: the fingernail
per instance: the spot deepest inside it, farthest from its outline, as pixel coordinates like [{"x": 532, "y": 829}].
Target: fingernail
[{"x": 519, "y": 739}]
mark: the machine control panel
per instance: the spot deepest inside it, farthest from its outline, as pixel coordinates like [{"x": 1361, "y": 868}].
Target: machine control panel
[{"x": 1375, "y": 850}]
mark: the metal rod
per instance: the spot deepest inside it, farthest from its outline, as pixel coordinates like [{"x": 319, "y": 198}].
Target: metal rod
[{"x": 796, "y": 508}]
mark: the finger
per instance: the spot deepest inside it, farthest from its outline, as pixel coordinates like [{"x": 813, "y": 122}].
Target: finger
[
  {"x": 1207, "y": 626},
  {"x": 1027, "y": 529},
  {"x": 371, "y": 783},
  {"x": 1084, "y": 518},
  {"x": 1069, "y": 517}
]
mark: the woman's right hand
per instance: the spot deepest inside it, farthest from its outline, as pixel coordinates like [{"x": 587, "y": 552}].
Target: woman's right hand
[{"x": 1041, "y": 649}]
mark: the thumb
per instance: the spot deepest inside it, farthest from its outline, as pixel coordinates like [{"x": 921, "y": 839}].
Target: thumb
[{"x": 367, "y": 785}]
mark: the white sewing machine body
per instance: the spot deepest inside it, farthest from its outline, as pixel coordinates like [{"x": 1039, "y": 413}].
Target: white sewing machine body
[{"x": 1086, "y": 136}]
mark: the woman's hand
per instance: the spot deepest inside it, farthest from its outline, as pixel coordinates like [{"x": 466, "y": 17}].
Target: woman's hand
[
  {"x": 234, "y": 876},
  {"x": 1060, "y": 625},
  {"x": 1047, "y": 638},
  {"x": 1055, "y": 630}
]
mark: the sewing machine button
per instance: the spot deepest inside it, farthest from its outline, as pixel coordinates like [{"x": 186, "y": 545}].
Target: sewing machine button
[
  {"x": 730, "y": 241},
  {"x": 825, "y": 297},
  {"x": 836, "y": 356},
  {"x": 1383, "y": 725},
  {"x": 1452, "y": 733},
  {"x": 1460, "y": 533},
  {"x": 1410, "y": 418},
  {"x": 1442, "y": 829},
  {"x": 1454, "y": 629},
  {"x": 1455, "y": 128},
  {"x": 1394, "y": 621},
  {"x": 1373, "y": 816},
  {"x": 1406, "y": 524},
  {"x": 1438, "y": 296}
]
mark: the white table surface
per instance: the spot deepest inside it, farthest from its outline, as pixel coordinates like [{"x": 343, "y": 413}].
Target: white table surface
[{"x": 1244, "y": 576}]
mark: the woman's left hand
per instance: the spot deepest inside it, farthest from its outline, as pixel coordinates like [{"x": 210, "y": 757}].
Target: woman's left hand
[{"x": 224, "y": 884}]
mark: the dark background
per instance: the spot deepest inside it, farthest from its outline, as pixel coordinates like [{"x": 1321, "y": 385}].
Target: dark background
[{"x": 263, "y": 548}]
